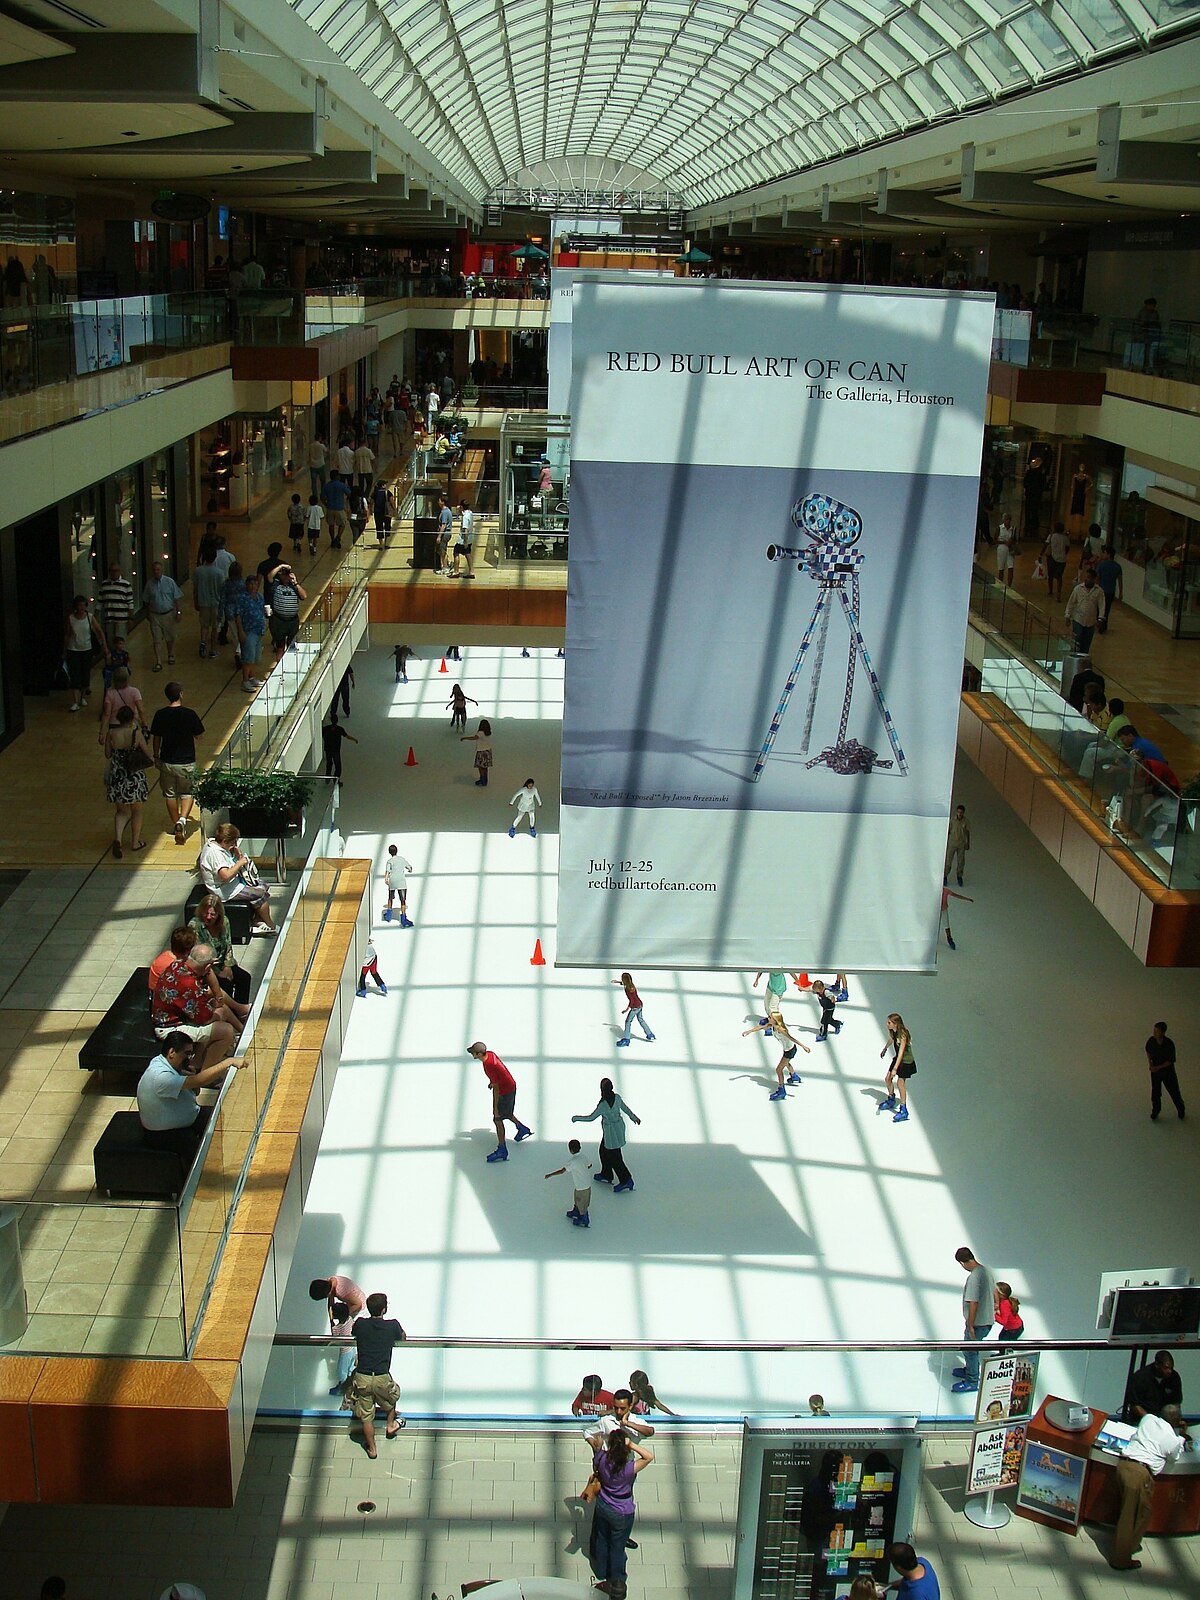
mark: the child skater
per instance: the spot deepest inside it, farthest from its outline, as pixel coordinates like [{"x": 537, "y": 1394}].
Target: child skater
[
  {"x": 395, "y": 869},
  {"x": 403, "y": 655},
  {"x": 459, "y": 702},
  {"x": 786, "y": 1064},
  {"x": 901, "y": 1068},
  {"x": 947, "y": 896},
  {"x": 370, "y": 969},
  {"x": 577, "y": 1167},
  {"x": 633, "y": 1009},
  {"x": 826, "y": 996},
  {"x": 526, "y": 800}
]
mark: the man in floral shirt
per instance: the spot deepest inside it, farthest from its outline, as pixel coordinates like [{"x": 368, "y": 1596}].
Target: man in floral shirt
[
  {"x": 251, "y": 625},
  {"x": 184, "y": 1003}
]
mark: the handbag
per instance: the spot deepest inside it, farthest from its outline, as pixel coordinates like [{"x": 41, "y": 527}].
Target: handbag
[
  {"x": 139, "y": 759},
  {"x": 590, "y": 1490},
  {"x": 249, "y": 875}
]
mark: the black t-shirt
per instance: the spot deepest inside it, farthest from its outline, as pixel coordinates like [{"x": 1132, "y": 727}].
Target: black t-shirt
[
  {"x": 1160, "y": 1053},
  {"x": 375, "y": 1338},
  {"x": 1152, "y": 1391},
  {"x": 332, "y": 735},
  {"x": 177, "y": 727}
]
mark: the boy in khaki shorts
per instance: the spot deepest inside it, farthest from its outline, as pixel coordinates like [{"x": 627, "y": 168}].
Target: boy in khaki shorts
[
  {"x": 372, "y": 1384},
  {"x": 578, "y": 1168}
]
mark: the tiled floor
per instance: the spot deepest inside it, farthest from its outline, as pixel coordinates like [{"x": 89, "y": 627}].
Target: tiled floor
[{"x": 450, "y": 1507}]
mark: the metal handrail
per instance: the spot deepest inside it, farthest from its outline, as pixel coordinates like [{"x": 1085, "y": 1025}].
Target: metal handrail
[{"x": 736, "y": 1346}]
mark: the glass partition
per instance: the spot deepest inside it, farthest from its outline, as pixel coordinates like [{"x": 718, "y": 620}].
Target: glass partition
[
  {"x": 1027, "y": 671},
  {"x": 70, "y": 339},
  {"x": 457, "y": 1379}
]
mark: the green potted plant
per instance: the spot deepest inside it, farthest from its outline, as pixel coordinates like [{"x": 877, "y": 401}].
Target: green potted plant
[
  {"x": 262, "y": 805},
  {"x": 453, "y": 421}
]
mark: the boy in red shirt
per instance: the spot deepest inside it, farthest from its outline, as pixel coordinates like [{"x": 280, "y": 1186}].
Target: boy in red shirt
[{"x": 504, "y": 1098}]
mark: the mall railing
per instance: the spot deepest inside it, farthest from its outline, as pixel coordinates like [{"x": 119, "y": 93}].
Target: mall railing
[
  {"x": 47, "y": 344},
  {"x": 703, "y": 1381},
  {"x": 256, "y": 735},
  {"x": 1087, "y": 341},
  {"x": 164, "y": 1255},
  {"x": 1025, "y": 660}
]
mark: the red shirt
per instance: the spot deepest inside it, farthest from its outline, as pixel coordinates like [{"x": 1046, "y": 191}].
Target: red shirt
[
  {"x": 159, "y": 965},
  {"x": 633, "y": 998},
  {"x": 600, "y": 1404},
  {"x": 498, "y": 1074},
  {"x": 180, "y": 996}
]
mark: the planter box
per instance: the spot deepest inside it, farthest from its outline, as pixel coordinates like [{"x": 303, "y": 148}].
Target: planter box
[{"x": 253, "y": 823}]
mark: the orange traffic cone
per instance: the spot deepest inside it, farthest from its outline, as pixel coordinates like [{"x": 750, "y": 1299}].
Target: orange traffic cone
[
  {"x": 804, "y": 981},
  {"x": 443, "y": 667},
  {"x": 537, "y": 959},
  {"x": 412, "y": 758}
]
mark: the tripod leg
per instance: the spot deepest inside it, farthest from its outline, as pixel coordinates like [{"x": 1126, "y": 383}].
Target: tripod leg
[
  {"x": 773, "y": 730},
  {"x": 815, "y": 681},
  {"x": 856, "y": 632}
]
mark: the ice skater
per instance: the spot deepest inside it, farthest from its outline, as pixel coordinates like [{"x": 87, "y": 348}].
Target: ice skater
[
  {"x": 947, "y": 896},
  {"x": 841, "y": 988},
  {"x": 504, "y": 1098},
  {"x": 612, "y": 1111},
  {"x": 776, "y": 989},
  {"x": 900, "y": 1070},
  {"x": 459, "y": 702},
  {"x": 403, "y": 656},
  {"x": 370, "y": 969},
  {"x": 633, "y": 1009},
  {"x": 774, "y": 1026},
  {"x": 482, "y": 740},
  {"x": 527, "y": 799},
  {"x": 395, "y": 870},
  {"x": 578, "y": 1168},
  {"x": 958, "y": 842},
  {"x": 826, "y": 997}
]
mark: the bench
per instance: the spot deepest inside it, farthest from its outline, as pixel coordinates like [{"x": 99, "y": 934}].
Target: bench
[
  {"x": 123, "y": 1040},
  {"x": 124, "y": 1164},
  {"x": 239, "y": 917}
]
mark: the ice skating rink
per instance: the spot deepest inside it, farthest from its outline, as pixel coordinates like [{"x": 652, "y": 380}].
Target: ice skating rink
[{"x": 812, "y": 1219}]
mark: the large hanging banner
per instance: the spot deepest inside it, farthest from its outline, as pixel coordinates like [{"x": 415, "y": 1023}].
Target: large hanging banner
[{"x": 773, "y": 500}]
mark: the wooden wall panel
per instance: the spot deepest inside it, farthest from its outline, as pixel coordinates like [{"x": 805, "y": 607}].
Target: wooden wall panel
[
  {"x": 18, "y": 1379},
  {"x": 458, "y": 605}
]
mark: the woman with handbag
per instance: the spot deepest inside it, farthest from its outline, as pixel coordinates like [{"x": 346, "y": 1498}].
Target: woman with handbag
[
  {"x": 615, "y": 1464},
  {"x": 82, "y": 637},
  {"x": 231, "y": 874},
  {"x": 125, "y": 778}
]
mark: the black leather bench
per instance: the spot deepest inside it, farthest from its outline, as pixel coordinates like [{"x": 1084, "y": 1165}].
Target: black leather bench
[
  {"x": 123, "y": 1040},
  {"x": 239, "y": 917},
  {"x": 124, "y": 1164}
]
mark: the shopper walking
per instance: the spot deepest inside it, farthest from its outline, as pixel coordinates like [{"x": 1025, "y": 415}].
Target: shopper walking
[
  {"x": 612, "y": 1111},
  {"x": 296, "y": 519},
  {"x": 466, "y": 540},
  {"x": 124, "y": 782},
  {"x": 286, "y": 593},
  {"x": 979, "y": 1313},
  {"x": 504, "y": 1098},
  {"x": 901, "y": 1068},
  {"x": 482, "y": 740},
  {"x": 162, "y": 598},
  {"x": 616, "y": 1462},
  {"x": 527, "y": 799},
  {"x": 1160, "y": 1057},
  {"x": 1055, "y": 553},
  {"x": 633, "y": 1010},
  {"x": 251, "y": 622},
  {"x": 958, "y": 842},
  {"x": 1085, "y": 608},
  {"x": 115, "y": 595},
  {"x": 81, "y": 636},
  {"x": 173, "y": 735},
  {"x": 383, "y": 504},
  {"x": 785, "y": 1068}
]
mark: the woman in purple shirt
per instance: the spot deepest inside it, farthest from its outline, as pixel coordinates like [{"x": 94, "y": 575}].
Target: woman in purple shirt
[{"x": 616, "y": 1465}]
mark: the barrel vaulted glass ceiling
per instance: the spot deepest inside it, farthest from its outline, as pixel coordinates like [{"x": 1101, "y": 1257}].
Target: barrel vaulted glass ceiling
[{"x": 710, "y": 96}]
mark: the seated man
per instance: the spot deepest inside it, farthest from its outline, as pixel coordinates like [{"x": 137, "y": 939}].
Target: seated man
[
  {"x": 1153, "y": 1387},
  {"x": 171, "y": 1115},
  {"x": 183, "y": 1001},
  {"x": 1130, "y": 739}
]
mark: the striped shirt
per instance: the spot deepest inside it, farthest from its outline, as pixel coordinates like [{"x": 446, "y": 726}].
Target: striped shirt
[{"x": 116, "y": 601}]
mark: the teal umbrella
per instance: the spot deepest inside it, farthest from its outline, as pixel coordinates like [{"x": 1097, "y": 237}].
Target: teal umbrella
[
  {"x": 532, "y": 252},
  {"x": 693, "y": 255}
]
